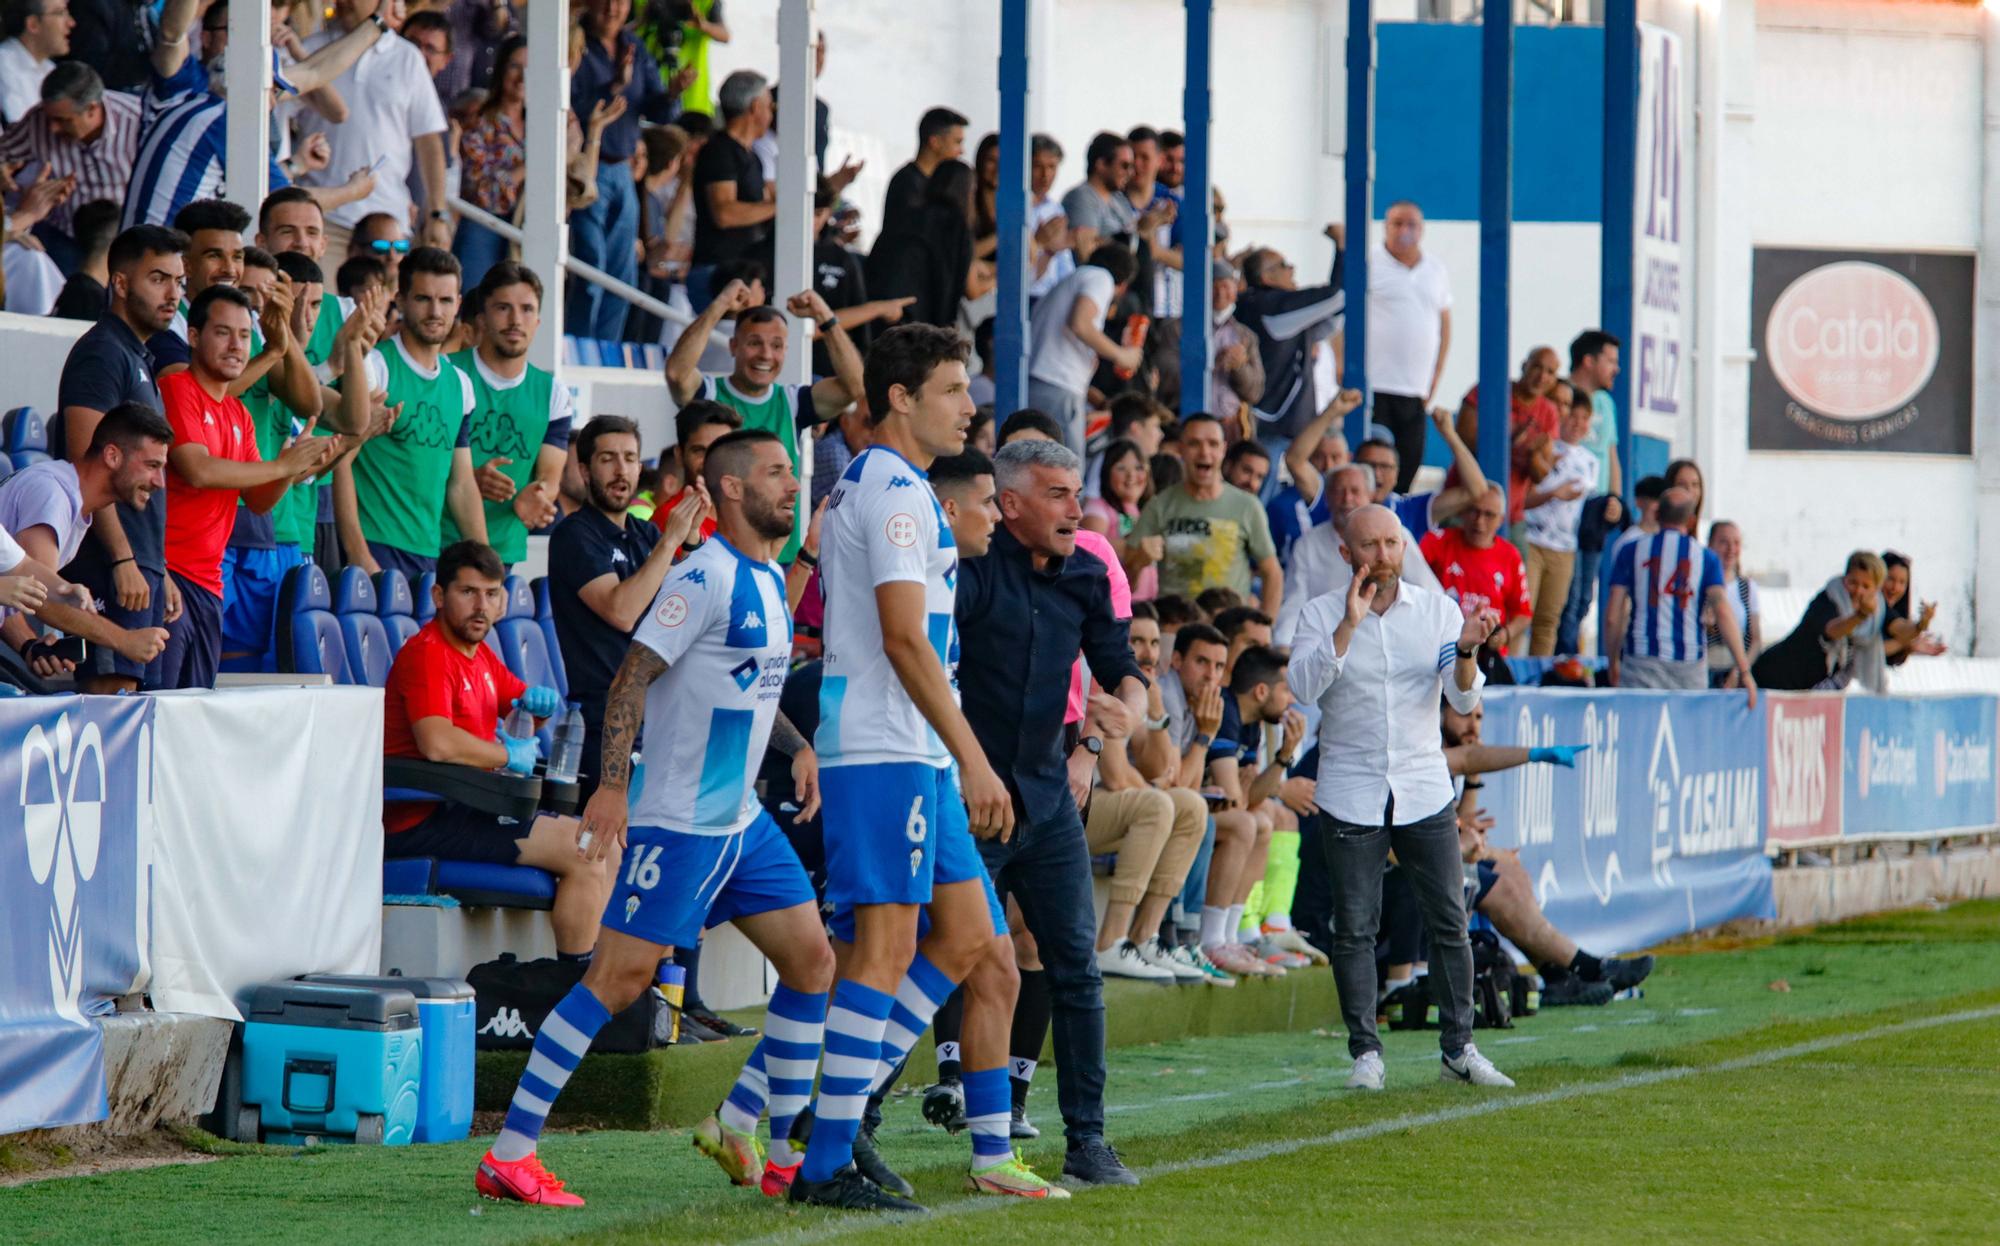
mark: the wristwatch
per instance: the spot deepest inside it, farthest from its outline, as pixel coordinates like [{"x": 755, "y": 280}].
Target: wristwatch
[
  {"x": 1157, "y": 724},
  {"x": 379, "y": 23},
  {"x": 1202, "y": 738},
  {"x": 1466, "y": 653},
  {"x": 1092, "y": 745},
  {"x": 827, "y": 326}
]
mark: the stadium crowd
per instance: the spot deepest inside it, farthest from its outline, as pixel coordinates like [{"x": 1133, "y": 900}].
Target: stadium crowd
[{"x": 1148, "y": 620}]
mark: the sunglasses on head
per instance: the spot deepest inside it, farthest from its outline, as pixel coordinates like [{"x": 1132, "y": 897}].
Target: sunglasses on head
[{"x": 382, "y": 246}]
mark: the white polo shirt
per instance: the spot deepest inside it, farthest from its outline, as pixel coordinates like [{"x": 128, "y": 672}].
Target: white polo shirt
[
  {"x": 391, "y": 103},
  {"x": 1404, "y": 304}
]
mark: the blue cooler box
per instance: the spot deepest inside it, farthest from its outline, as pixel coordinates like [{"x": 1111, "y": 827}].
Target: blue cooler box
[
  {"x": 338, "y": 1063},
  {"x": 445, "y": 1010}
]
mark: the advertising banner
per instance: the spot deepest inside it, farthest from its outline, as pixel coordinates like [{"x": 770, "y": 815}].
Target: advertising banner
[
  {"x": 1656, "y": 358},
  {"x": 1917, "y": 765},
  {"x": 74, "y": 905},
  {"x": 1657, "y": 832},
  {"x": 1861, "y": 350},
  {"x": 1804, "y": 743}
]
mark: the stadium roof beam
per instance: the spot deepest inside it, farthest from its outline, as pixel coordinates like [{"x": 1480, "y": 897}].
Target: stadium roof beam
[
  {"x": 1358, "y": 164},
  {"x": 1615, "y": 239},
  {"x": 545, "y": 185},
  {"x": 1198, "y": 219},
  {"x": 797, "y": 185},
  {"x": 1010, "y": 209},
  {"x": 1496, "y": 235},
  {"x": 247, "y": 77}
]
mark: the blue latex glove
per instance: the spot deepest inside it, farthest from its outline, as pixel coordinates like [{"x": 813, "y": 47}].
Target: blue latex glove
[
  {"x": 521, "y": 754},
  {"x": 1558, "y": 754},
  {"x": 541, "y": 702}
]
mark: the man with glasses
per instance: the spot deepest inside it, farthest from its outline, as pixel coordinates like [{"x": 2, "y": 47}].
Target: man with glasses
[
  {"x": 1098, "y": 210},
  {"x": 383, "y": 236},
  {"x": 41, "y": 34},
  {"x": 1289, "y": 323}
]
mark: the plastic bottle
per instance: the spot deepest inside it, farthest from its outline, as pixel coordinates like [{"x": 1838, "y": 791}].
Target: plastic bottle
[
  {"x": 520, "y": 724},
  {"x": 568, "y": 747}
]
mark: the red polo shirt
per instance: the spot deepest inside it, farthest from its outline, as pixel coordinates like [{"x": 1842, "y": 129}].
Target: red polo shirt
[
  {"x": 199, "y": 521},
  {"x": 432, "y": 679}
]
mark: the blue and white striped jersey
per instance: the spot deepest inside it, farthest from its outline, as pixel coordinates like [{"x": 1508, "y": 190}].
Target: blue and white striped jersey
[
  {"x": 1668, "y": 575},
  {"x": 720, "y": 622},
  {"x": 883, "y": 525}
]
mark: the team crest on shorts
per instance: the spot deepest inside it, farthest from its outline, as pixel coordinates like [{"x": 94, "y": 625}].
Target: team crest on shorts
[
  {"x": 631, "y": 907},
  {"x": 916, "y": 861}
]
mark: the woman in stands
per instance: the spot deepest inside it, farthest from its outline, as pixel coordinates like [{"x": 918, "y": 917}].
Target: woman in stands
[
  {"x": 1740, "y": 591},
  {"x": 1686, "y": 474},
  {"x": 1896, "y": 596},
  {"x": 1127, "y": 485},
  {"x": 1841, "y": 639},
  {"x": 495, "y": 160}
]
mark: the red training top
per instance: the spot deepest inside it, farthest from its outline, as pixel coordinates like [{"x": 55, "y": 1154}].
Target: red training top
[
  {"x": 1473, "y": 577},
  {"x": 660, "y": 510},
  {"x": 199, "y": 520},
  {"x": 431, "y": 679}
]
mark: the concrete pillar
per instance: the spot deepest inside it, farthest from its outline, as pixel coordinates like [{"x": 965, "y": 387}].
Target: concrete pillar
[
  {"x": 248, "y": 82},
  {"x": 545, "y": 234},
  {"x": 792, "y": 266}
]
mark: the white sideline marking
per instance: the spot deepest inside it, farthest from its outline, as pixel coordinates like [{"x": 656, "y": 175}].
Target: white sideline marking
[{"x": 829, "y": 1230}]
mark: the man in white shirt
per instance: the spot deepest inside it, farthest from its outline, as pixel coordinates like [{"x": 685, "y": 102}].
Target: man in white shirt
[
  {"x": 1066, "y": 338},
  {"x": 1053, "y": 259},
  {"x": 38, "y": 33},
  {"x": 1409, "y": 332},
  {"x": 1375, "y": 661},
  {"x": 1319, "y": 561},
  {"x": 1554, "y": 512},
  {"x": 393, "y": 119}
]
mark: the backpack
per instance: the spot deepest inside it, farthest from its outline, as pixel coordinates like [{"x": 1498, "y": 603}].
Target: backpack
[
  {"x": 514, "y": 996},
  {"x": 1492, "y": 983}
]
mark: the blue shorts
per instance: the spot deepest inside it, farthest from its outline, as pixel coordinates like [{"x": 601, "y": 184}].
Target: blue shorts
[
  {"x": 103, "y": 659},
  {"x": 194, "y": 641},
  {"x": 893, "y": 830},
  {"x": 672, "y": 885},
  {"x": 250, "y": 580},
  {"x": 1479, "y": 881},
  {"x": 413, "y": 566}
]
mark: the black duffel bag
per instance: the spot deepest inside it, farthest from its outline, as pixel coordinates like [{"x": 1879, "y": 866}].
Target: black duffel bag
[{"x": 513, "y": 997}]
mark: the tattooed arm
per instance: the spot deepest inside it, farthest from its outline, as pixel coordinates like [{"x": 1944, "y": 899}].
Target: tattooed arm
[
  {"x": 604, "y": 818},
  {"x": 787, "y": 739}
]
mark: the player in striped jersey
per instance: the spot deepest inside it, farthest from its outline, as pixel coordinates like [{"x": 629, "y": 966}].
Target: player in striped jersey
[
  {"x": 705, "y": 669},
  {"x": 1661, "y": 582}
]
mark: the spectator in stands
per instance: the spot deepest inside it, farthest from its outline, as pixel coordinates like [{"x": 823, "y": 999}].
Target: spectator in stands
[
  {"x": 1896, "y": 596},
  {"x": 83, "y": 295},
  {"x": 1320, "y": 563},
  {"x": 1593, "y": 366},
  {"x": 429, "y": 31},
  {"x": 37, "y": 36},
  {"x": 835, "y": 448},
  {"x": 1205, "y": 531},
  {"x": 214, "y": 461},
  {"x": 1239, "y": 364},
  {"x": 620, "y": 76},
  {"x": 494, "y": 155},
  {"x": 758, "y": 350},
  {"x": 446, "y": 695},
  {"x": 399, "y": 486},
  {"x": 1685, "y": 474},
  {"x": 1097, "y": 209},
  {"x": 1533, "y": 427},
  {"x": 1127, "y": 485},
  {"x": 1244, "y": 627},
  {"x": 690, "y": 78},
  {"x": 1842, "y": 637},
  {"x": 839, "y": 277},
  {"x": 214, "y": 257},
  {"x": 697, "y": 426},
  {"x": 1662, "y": 582},
  {"x": 31, "y": 281},
  {"x": 940, "y": 138},
  {"x": 1257, "y": 697},
  {"x": 1150, "y": 197},
  {"x": 1245, "y": 465},
  {"x": 1423, "y": 512},
  {"x": 1554, "y": 512},
  {"x": 184, "y": 150},
  {"x": 1051, "y": 258},
  {"x": 80, "y": 135},
  {"x": 1409, "y": 332},
  {"x": 123, "y": 565},
  {"x": 393, "y": 119},
  {"x": 112, "y": 35},
  {"x": 1288, "y": 322},
  {"x": 290, "y": 219},
  {"x": 1191, "y": 694},
  {"x": 928, "y": 258},
  {"x": 1482, "y": 570},
  {"x": 734, "y": 206},
  {"x": 47, "y": 508},
  {"x": 1321, "y": 447},
  {"x": 1739, "y": 593},
  {"x": 478, "y": 29},
  {"x": 1066, "y": 338},
  {"x": 381, "y": 236}
]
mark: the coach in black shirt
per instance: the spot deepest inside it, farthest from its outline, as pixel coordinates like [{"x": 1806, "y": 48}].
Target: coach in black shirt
[{"x": 1026, "y": 609}]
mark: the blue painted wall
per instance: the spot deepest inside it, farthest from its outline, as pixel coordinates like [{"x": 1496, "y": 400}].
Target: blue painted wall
[{"x": 1427, "y": 120}]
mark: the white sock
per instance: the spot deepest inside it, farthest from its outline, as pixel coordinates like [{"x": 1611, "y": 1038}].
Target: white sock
[
  {"x": 1214, "y": 926},
  {"x": 1235, "y": 926},
  {"x": 1395, "y": 984},
  {"x": 1278, "y": 921}
]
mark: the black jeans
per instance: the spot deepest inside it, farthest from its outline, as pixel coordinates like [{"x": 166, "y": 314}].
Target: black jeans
[
  {"x": 1404, "y": 415},
  {"x": 1046, "y": 869},
  {"x": 1427, "y": 852}
]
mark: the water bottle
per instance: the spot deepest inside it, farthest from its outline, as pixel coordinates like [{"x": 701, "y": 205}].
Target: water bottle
[
  {"x": 568, "y": 749},
  {"x": 520, "y": 724}
]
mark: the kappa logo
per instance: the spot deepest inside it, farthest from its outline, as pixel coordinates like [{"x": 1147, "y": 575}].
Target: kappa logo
[
  {"x": 751, "y": 620},
  {"x": 901, "y": 482},
  {"x": 62, "y": 812},
  {"x": 506, "y": 1023},
  {"x": 696, "y": 576}
]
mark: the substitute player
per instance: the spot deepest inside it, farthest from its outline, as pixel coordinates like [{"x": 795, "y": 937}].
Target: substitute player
[
  {"x": 898, "y": 834},
  {"x": 706, "y": 666}
]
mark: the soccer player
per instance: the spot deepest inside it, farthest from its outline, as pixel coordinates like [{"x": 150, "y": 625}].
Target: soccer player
[
  {"x": 705, "y": 669},
  {"x": 898, "y": 833},
  {"x": 520, "y": 416}
]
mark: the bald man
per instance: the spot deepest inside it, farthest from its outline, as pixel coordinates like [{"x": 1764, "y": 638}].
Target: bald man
[{"x": 1319, "y": 563}]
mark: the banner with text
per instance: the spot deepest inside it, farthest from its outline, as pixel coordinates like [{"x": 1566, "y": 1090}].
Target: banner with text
[
  {"x": 1657, "y": 832},
  {"x": 1804, "y": 742},
  {"x": 1656, "y": 358},
  {"x": 74, "y": 902},
  {"x": 1918, "y": 765}
]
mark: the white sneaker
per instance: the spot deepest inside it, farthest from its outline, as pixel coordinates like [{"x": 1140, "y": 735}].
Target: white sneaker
[
  {"x": 1472, "y": 1069},
  {"x": 1187, "y": 954},
  {"x": 1122, "y": 960},
  {"x": 1368, "y": 1072},
  {"x": 1153, "y": 954}
]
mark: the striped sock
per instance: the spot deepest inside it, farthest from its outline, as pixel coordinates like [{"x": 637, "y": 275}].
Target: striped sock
[
  {"x": 989, "y": 1110},
  {"x": 566, "y": 1034},
  {"x": 924, "y": 988},
  {"x": 853, "y": 1048},
  {"x": 746, "y": 1099},
  {"x": 794, "y": 1028}
]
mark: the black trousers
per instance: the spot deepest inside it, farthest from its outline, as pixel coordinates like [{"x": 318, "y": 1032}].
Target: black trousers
[{"x": 1404, "y": 416}]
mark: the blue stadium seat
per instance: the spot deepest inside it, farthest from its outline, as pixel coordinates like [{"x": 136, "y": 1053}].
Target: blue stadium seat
[
  {"x": 309, "y": 639},
  {"x": 479, "y": 884},
  {"x": 652, "y": 356},
  {"x": 361, "y": 631},
  {"x": 422, "y": 606},
  {"x": 572, "y": 353},
  {"x": 394, "y": 603},
  {"x": 524, "y": 648},
  {"x": 545, "y": 618},
  {"x": 24, "y": 436},
  {"x": 6, "y": 468}
]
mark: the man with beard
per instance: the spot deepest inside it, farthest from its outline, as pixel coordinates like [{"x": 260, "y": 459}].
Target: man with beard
[
  {"x": 122, "y": 563},
  {"x": 706, "y": 666},
  {"x": 214, "y": 462},
  {"x": 1319, "y": 566},
  {"x": 445, "y": 695},
  {"x": 605, "y": 567},
  {"x": 392, "y": 496},
  {"x": 520, "y": 415},
  {"x": 1376, "y": 660}
]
